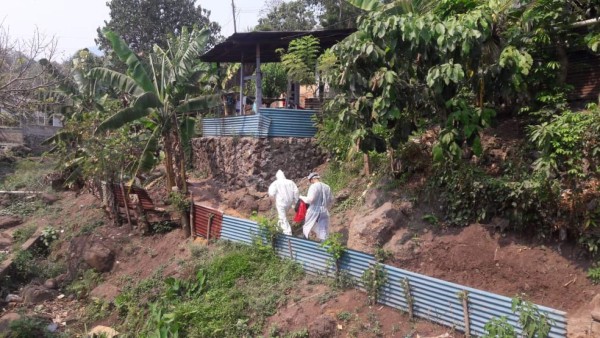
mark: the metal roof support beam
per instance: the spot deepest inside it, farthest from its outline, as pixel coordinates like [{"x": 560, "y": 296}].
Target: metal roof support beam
[
  {"x": 242, "y": 103},
  {"x": 258, "y": 81}
]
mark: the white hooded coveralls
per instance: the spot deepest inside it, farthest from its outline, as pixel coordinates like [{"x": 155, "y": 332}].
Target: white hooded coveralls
[
  {"x": 286, "y": 195},
  {"x": 320, "y": 199}
]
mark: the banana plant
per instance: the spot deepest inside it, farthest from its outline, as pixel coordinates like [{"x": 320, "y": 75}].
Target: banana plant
[{"x": 161, "y": 90}]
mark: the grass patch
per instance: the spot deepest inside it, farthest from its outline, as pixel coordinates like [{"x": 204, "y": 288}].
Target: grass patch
[
  {"x": 235, "y": 289},
  {"x": 21, "y": 208},
  {"x": 84, "y": 284},
  {"x": 23, "y": 233},
  {"x": 339, "y": 175},
  {"x": 28, "y": 175},
  {"x": 89, "y": 227},
  {"x": 26, "y": 327}
]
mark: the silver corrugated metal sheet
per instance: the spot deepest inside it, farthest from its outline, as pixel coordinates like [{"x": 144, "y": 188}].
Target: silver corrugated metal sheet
[
  {"x": 290, "y": 122},
  {"x": 251, "y": 125},
  {"x": 433, "y": 299},
  {"x": 270, "y": 122}
]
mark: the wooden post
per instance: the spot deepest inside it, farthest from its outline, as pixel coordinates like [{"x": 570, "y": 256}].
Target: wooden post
[
  {"x": 242, "y": 101},
  {"x": 210, "y": 218},
  {"x": 192, "y": 223},
  {"x": 258, "y": 81},
  {"x": 465, "y": 302},
  {"x": 408, "y": 296},
  {"x": 126, "y": 203},
  {"x": 290, "y": 249}
]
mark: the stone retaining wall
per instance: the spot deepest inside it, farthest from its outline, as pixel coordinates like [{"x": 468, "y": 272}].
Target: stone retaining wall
[
  {"x": 30, "y": 135},
  {"x": 241, "y": 162}
]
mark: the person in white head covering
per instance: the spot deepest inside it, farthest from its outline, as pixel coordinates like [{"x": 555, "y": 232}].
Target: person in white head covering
[
  {"x": 319, "y": 199},
  {"x": 286, "y": 194}
]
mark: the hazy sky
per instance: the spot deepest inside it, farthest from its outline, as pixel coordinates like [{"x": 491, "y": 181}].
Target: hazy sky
[{"x": 74, "y": 22}]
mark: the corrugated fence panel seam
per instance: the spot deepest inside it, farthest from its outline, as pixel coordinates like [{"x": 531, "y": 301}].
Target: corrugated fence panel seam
[{"x": 433, "y": 299}]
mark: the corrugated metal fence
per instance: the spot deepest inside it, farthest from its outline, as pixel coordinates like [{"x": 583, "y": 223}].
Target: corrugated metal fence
[
  {"x": 290, "y": 122},
  {"x": 251, "y": 125},
  {"x": 270, "y": 122},
  {"x": 432, "y": 299}
]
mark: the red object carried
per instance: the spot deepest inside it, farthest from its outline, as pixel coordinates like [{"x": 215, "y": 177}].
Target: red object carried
[{"x": 301, "y": 211}]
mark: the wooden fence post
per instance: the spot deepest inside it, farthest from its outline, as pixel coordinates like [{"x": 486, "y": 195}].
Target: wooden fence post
[
  {"x": 126, "y": 203},
  {"x": 210, "y": 218},
  {"x": 290, "y": 249},
  {"x": 192, "y": 221},
  {"x": 408, "y": 296},
  {"x": 464, "y": 296}
]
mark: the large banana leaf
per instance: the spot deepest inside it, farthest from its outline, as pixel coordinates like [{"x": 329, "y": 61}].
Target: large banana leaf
[
  {"x": 117, "y": 81},
  {"x": 135, "y": 67},
  {"x": 143, "y": 106},
  {"x": 367, "y": 5},
  {"x": 187, "y": 128},
  {"x": 203, "y": 102},
  {"x": 188, "y": 52},
  {"x": 65, "y": 84},
  {"x": 147, "y": 161}
]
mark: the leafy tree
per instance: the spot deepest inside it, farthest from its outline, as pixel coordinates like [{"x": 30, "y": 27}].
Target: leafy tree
[
  {"x": 144, "y": 23},
  {"x": 287, "y": 16},
  {"x": 85, "y": 156},
  {"x": 161, "y": 92},
  {"x": 300, "y": 59},
  {"x": 274, "y": 80},
  {"x": 449, "y": 62},
  {"x": 21, "y": 77},
  {"x": 335, "y": 14}
]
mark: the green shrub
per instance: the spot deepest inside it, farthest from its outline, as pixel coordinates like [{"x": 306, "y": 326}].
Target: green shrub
[
  {"x": 499, "y": 328},
  {"x": 25, "y": 265},
  {"x": 534, "y": 323},
  {"x": 374, "y": 278},
  {"x": 27, "y": 327},
  {"x": 49, "y": 235},
  {"x": 594, "y": 273},
  {"x": 84, "y": 284}
]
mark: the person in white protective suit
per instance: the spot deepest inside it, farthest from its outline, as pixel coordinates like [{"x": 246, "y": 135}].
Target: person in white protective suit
[
  {"x": 319, "y": 199},
  {"x": 286, "y": 194}
]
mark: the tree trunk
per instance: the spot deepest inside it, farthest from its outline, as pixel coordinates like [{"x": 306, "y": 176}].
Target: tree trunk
[
  {"x": 167, "y": 141},
  {"x": 180, "y": 175}
]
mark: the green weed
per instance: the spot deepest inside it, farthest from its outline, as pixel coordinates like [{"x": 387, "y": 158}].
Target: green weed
[
  {"x": 23, "y": 233},
  {"x": 344, "y": 316},
  {"x": 594, "y": 273},
  {"x": 27, "y": 327},
  {"x": 235, "y": 289},
  {"x": 84, "y": 284}
]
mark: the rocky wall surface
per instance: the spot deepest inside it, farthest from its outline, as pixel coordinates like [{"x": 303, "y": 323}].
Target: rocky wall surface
[{"x": 241, "y": 162}]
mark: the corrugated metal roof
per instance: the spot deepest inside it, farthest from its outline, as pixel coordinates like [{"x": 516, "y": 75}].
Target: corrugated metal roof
[{"x": 243, "y": 45}]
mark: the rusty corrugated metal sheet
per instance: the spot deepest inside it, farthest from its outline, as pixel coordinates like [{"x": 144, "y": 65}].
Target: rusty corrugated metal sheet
[
  {"x": 583, "y": 73},
  {"x": 201, "y": 216}
]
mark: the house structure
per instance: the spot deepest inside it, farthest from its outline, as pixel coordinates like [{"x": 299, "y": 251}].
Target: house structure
[{"x": 246, "y": 150}]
